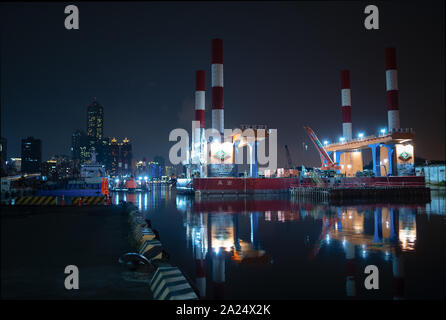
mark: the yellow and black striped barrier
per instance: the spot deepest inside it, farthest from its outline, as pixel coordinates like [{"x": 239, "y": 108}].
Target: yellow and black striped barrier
[
  {"x": 148, "y": 245},
  {"x": 36, "y": 201},
  {"x": 142, "y": 234},
  {"x": 54, "y": 200},
  {"x": 88, "y": 201}
]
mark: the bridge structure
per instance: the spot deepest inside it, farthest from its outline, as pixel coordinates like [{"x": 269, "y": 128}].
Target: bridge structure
[{"x": 392, "y": 153}]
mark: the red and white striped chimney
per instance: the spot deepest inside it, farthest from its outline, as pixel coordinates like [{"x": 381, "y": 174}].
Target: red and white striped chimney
[
  {"x": 393, "y": 112},
  {"x": 217, "y": 85},
  {"x": 199, "y": 110},
  {"x": 346, "y": 101},
  {"x": 200, "y": 97}
]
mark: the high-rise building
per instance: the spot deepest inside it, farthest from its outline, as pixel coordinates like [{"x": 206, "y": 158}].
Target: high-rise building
[
  {"x": 160, "y": 160},
  {"x": 14, "y": 166},
  {"x": 103, "y": 150},
  {"x": 120, "y": 154},
  {"x": 59, "y": 167},
  {"x": 31, "y": 155},
  {"x": 115, "y": 168},
  {"x": 49, "y": 170},
  {"x": 126, "y": 156},
  {"x": 79, "y": 146},
  {"x": 95, "y": 121},
  {"x": 155, "y": 170}
]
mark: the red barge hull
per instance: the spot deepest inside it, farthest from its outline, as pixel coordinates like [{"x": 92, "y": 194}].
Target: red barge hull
[{"x": 228, "y": 185}]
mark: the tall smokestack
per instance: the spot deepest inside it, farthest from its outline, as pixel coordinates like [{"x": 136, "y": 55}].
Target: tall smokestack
[
  {"x": 199, "y": 107},
  {"x": 217, "y": 85},
  {"x": 200, "y": 97},
  {"x": 346, "y": 101},
  {"x": 393, "y": 112}
]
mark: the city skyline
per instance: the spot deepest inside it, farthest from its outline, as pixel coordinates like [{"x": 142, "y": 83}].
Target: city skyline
[{"x": 145, "y": 80}]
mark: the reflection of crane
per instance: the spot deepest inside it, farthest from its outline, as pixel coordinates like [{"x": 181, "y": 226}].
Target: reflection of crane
[
  {"x": 288, "y": 157},
  {"x": 327, "y": 163},
  {"x": 327, "y": 226}
]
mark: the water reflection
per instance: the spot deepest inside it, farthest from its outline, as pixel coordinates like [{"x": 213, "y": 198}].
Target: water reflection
[
  {"x": 438, "y": 202},
  {"x": 144, "y": 200},
  {"x": 275, "y": 248}
]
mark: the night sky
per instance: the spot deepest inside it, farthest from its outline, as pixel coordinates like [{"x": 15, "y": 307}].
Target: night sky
[{"x": 282, "y": 63}]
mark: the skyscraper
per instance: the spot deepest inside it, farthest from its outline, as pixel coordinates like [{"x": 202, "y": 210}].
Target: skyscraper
[
  {"x": 120, "y": 157},
  {"x": 95, "y": 121},
  {"x": 126, "y": 156},
  {"x": 103, "y": 150},
  {"x": 115, "y": 168},
  {"x": 79, "y": 146},
  {"x": 31, "y": 155},
  {"x": 162, "y": 163}
]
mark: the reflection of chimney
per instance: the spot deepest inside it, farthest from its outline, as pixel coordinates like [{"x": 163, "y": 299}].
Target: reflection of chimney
[
  {"x": 200, "y": 269},
  {"x": 393, "y": 113},
  {"x": 217, "y": 85},
  {"x": 398, "y": 276},
  {"x": 350, "y": 284},
  {"x": 218, "y": 275},
  {"x": 346, "y": 101}
]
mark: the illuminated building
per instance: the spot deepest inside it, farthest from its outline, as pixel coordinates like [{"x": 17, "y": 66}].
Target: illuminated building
[
  {"x": 31, "y": 155},
  {"x": 155, "y": 170},
  {"x": 103, "y": 150},
  {"x": 49, "y": 169},
  {"x": 150, "y": 169},
  {"x": 140, "y": 167},
  {"x": 79, "y": 146},
  {"x": 120, "y": 162},
  {"x": 114, "y": 158},
  {"x": 95, "y": 120},
  {"x": 126, "y": 156},
  {"x": 162, "y": 163},
  {"x": 15, "y": 165},
  {"x": 59, "y": 167}
]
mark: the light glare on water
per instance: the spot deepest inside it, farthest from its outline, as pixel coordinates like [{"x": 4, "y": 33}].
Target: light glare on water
[{"x": 276, "y": 248}]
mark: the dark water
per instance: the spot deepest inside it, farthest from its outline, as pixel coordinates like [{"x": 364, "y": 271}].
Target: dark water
[{"x": 277, "y": 248}]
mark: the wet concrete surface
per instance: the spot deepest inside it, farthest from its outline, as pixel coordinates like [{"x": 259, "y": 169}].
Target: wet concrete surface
[{"x": 37, "y": 243}]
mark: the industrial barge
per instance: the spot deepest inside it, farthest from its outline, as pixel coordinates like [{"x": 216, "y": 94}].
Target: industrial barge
[
  {"x": 212, "y": 165},
  {"x": 328, "y": 189}
]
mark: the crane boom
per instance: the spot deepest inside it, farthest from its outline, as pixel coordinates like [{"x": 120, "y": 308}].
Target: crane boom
[{"x": 327, "y": 163}]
